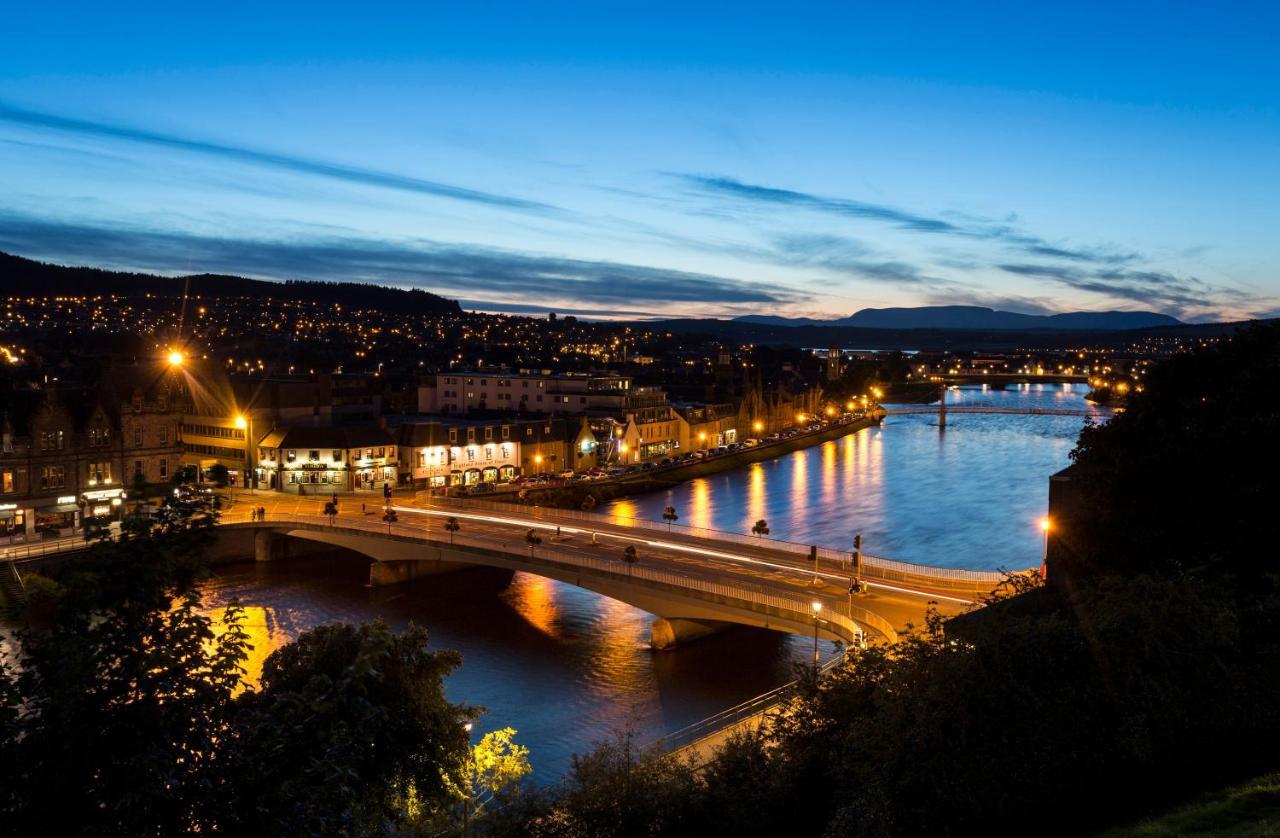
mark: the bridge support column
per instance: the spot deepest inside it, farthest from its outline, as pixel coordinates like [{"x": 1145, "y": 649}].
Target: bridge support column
[
  {"x": 269, "y": 545},
  {"x": 669, "y": 633},
  {"x": 406, "y": 570}
]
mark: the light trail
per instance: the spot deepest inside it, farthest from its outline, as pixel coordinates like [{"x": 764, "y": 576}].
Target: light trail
[{"x": 675, "y": 546}]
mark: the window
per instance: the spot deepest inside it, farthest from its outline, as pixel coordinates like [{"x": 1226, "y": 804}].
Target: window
[
  {"x": 382, "y": 453},
  {"x": 99, "y": 472},
  {"x": 488, "y": 433},
  {"x": 99, "y": 436},
  {"x": 313, "y": 455},
  {"x": 6, "y": 481},
  {"x": 53, "y": 477},
  {"x": 137, "y": 468},
  {"x": 337, "y": 456},
  {"x": 506, "y": 432},
  {"x": 453, "y": 434},
  {"x": 164, "y": 434},
  {"x": 137, "y": 436},
  {"x": 391, "y": 452},
  {"x": 51, "y": 440},
  {"x": 164, "y": 469},
  {"x": 291, "y": 456}
]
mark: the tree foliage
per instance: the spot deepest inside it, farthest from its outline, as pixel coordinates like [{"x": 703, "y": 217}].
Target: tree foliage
[{"x": 125, "y": 713}]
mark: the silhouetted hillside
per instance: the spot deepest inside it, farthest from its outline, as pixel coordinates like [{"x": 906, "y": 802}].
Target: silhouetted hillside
[
  {"x": 976, "y": 317},
  {"x": 26, "y": 277}
]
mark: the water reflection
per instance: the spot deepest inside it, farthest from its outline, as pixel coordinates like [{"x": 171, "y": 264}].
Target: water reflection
[
  {"x": 562, "y": 665},
  {"x": 969, "y": 497}
]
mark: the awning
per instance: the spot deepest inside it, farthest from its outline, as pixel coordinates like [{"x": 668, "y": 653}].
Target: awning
[{"x": 62, "y": 507}]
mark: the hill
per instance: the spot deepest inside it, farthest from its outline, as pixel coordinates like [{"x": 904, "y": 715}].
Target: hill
[
  {"x": 27, "y": 277},
  {"x": 976, "y": 317}
]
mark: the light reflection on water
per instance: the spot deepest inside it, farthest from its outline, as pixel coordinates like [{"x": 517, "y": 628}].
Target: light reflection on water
[
  {"x": 566, "y": 667},
  {"x": 966, "y": 496}
]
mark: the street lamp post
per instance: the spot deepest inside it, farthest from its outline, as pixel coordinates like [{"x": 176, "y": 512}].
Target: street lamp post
[
  {"x": 1044, "y": 552},
  {"x": 245, "y": 423},
  {"x": 817, "y": 609}
]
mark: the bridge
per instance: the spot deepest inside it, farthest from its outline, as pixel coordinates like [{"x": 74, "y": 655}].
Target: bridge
[
  {"x": 695, "y": 581},
  {"x": 942, "y": 409},
  {"x": 1018, "y": 411}
]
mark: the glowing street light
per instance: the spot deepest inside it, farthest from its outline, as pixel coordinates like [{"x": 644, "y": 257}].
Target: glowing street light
[
  {"x": 1044, "y": 553},
  {"x": 757, "y": 426},
  {"x": 816, "y": 607},
  {"x": 175, "y": 358}
]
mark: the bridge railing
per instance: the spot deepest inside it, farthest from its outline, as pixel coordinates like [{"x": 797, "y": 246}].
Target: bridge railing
[
  {"x": 847, "y": 627},
  {"x": 970, "y": 581}
]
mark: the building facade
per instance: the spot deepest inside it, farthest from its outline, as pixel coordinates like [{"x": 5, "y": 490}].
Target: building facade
[{"x": 327, "y": 460}]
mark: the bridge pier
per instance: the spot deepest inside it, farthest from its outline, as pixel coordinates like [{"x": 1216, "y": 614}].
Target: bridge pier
[
  {"x": 669, "y": 633},
  {"x": 269, "y": 545}
]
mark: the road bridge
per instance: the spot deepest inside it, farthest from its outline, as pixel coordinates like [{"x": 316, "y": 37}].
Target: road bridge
[{"x": 693, "y": 580}]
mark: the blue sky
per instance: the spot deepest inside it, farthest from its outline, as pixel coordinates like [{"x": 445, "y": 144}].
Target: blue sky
[{"x": 654, "y": 159}]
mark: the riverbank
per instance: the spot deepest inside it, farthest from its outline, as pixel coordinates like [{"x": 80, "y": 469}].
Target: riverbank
[{"x": 574, "y": 496}]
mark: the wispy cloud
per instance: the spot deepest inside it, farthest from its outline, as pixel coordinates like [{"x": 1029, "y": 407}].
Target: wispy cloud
[
  {"x": 1152, "y": 288},
  {"x": 959, "y": 225},
  {"x": 257, "y": 157},
  {"x": 454, "y": 270}
]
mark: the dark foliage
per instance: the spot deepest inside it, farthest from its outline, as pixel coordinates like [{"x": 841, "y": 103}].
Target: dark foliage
[{"x": 126, "y": 712}]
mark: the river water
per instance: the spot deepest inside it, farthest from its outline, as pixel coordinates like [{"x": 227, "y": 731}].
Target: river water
[{"x": 567, "y": 668}]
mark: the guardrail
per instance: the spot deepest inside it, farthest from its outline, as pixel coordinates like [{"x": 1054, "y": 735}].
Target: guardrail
[
  {"x": 690, "y": 735},
  {"x": 754, "y": 598},
  {"x": 970, "y": 581}
]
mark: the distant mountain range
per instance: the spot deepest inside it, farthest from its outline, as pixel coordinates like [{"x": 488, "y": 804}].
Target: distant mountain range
[
  {"x": 975, "y": 318},
  {"x": 26, "y": 277}
]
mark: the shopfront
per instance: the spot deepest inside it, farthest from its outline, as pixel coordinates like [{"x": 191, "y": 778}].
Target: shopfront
[
  {"x": 13, "y": 521},
  {"x": 60, "y": 518},
  {"x": 102, "y": 503}
]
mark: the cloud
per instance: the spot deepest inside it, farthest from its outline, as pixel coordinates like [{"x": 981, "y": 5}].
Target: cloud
[
  {"x": 839, "y": 206},
  {"x": 454, "y": 270},
  {"x": 269, "y": 159},
  {"x": 963, "y": 225},
  {"x": 1152, "y": 288}
]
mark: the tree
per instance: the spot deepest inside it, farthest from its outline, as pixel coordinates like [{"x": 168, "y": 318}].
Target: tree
[
  {"x": 125, "y": 694},
  {"x": 493, "y": 770},
  {"x": 669, "y": 515},
  {"x": 350, "y": 732},
  {"x": 220, "y": 475},
  {"x": 760, "y": 528},
  {"x": 451, "y": 526}
]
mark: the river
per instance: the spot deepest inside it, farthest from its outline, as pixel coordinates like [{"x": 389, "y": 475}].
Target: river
[{"x": 567, "y": 668}]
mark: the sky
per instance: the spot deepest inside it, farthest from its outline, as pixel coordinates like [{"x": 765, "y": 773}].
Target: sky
[{"x": 643, "y": 160}]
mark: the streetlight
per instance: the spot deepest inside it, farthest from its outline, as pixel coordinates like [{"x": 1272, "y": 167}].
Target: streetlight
[
  {"x": 245, "y": 423},
  {"x": 1044, "y": 553},
  {"x": 757, "y": 426},
  {"x": 817, "y": 609},
  {"x": 466, "y": 797},
  {"x": 175, "y": 358}
]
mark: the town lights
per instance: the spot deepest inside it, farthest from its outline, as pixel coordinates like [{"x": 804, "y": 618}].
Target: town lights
[
  {"x": 800, "y": 418},
  {"x": 757, "y": 426},
  {"x": 831, "y": 411},
  {"x": 849, "y": 405},
  {"x": 241, "y": 421}
]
